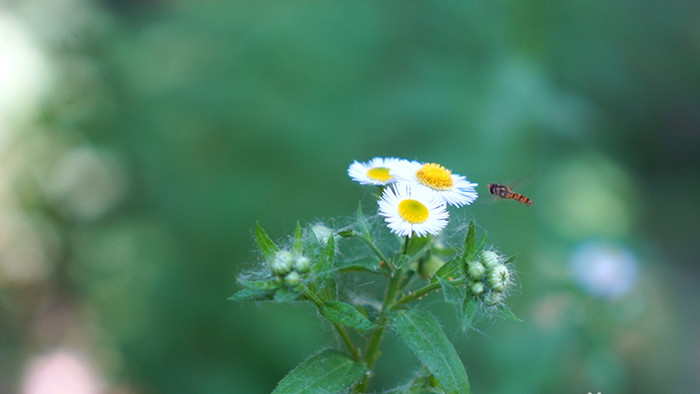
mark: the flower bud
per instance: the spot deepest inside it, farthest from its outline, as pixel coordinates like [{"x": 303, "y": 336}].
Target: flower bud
[
  {"x": 302, "y": 264},
  {"x": 276, "y": 282},
  {"x": 282, "y": 262},
  {"x": 292, "y": 279},
  {"x": 499, "y": 278},
  {"x": 493, "y": 298},
  {"x": 347, "y": 233},
  {"x": 490, "y": 258},
  {"x": 477, "y": 288},
  {"x": 475, "y": 270}
]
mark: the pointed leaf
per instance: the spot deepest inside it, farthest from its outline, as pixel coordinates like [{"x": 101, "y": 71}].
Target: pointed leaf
[
  {"x": 264, "y": 284},
  {"x": 345, "y": 314},
  {"x": 362, "y": 222},
  {"x": 252, "y": 294},
  {"x": 452, "y": 269},
  {"x": 505, "y": 312},
  {"x": 482, "y": 244},
  {"x": 298, "y": 240},
  {"x": 453, "y": 295},
  {"x": 510, "y": 259},
  {"x": 326, "y": 372},
  {"x": 324, "y": 286},
  {"x": 470, "y": 241},
  {"x": 325, "y": 261},
  {"x": 326, "y": 289},
  {"x": 424, "y": 336},
  {"x": 313, "y": 244},
  {"x": 287, "y": 295},
  {"x": 267, "y": 247},
  {"x": 469, "y": 312}
]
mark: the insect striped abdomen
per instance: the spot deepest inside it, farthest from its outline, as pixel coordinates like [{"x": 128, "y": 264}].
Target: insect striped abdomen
[
  {"x": 504, "y": 191},
  {"x": 521, "y": 198}
]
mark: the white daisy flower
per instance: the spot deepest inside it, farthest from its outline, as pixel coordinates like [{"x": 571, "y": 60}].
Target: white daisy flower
[
  {"x": 374, "y": 172},
  {"x": 410, "y": 210},
  {"x": 454, "y": 189}
]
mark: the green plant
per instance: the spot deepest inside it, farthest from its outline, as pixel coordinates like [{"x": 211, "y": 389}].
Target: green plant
[{"x": 410, "y": 253}]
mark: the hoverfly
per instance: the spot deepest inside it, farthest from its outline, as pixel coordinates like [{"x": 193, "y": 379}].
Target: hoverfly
[{"x": 504, "y": 191}]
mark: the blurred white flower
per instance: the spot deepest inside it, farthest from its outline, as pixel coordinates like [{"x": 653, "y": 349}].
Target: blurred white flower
[
  {"x": 61, "y": 372},
  {"x": 604, "y": 269},
  {"x": 24, "y": 73},
  {"x": 86, "y": 182}
]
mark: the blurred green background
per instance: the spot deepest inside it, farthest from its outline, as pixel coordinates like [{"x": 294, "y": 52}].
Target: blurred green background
[{"x": 141, "y": 140}]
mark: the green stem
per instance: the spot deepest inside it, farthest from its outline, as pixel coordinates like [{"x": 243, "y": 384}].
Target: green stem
[
  {"x": 375, "y": 249},
  {"x": 344, "y": 335},
  {"x": 414, "y": 295},
  {"x": 354, "y": 351},
  {"x": 375, "y": 342},
  {"x": 418, "y": 293},
  {"x": 406, "y": 240}
]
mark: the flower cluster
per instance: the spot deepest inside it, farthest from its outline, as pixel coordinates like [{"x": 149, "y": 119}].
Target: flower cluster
[
  {"x": 414, "y": 195},
  {"x": 290, "y": 267},
  {"x": 489, "y": 277},
  {"x": 472, "y": 277}
]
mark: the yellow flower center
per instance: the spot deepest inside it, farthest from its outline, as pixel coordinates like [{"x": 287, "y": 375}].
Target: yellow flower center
[
  {"x": 379, "y": 174},
  {"x": 435, "y": 176},
  {"x": 413, "y": 211}
]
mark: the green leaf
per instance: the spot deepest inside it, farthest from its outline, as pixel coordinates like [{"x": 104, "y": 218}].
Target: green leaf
[
  {"x": 482, "y": 244},
  {"x": 510, "y": 259},
  {"x": 287, "y": 295},
  {"x": 451, "y": 269},
  {"x": 453, "y": 295},
  {"x": 370, "y": 264},
  {"x": 468, "y": 313},
  {"x": 326, "y": 372},
  {"x": 470, "y": 241},
  {"x": 265, "y": 284},
  {"x": 267, "y": 247},
  {"x": 252, "y": 294},
  {"x": 325, "y": 261},
  {"x": 345, "y": 314},
  {"x": 298, "y": 240},
  {"x": 313, "y": 244},
  {"x": 324, "y": 286},
  {"x": 424, "y": 336},
  {"x": 362, "y": 222},
  {"x": 505, "y": 312}
]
